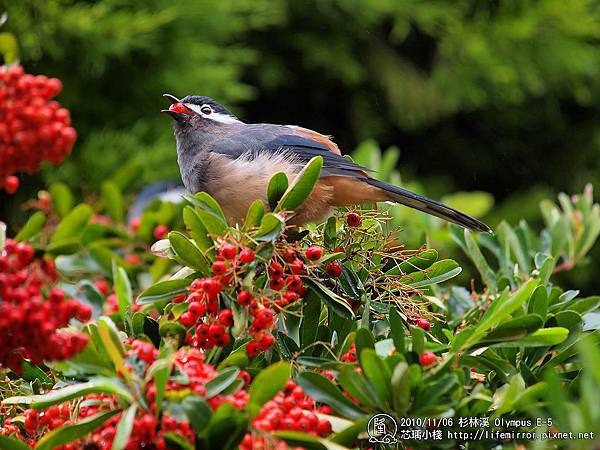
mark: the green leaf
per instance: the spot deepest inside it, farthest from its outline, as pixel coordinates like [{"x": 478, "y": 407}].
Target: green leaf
[
  {"x": 197, "y": 411},
  {"x": 438, "y": 272},
  {"x": 226, "y": 428},
  {"x": 487, "y": 274},
  {"x": 538, "y": 303},
  {"x": 62, "y": 198},
  {"x": 310, "y": 318},
  {"x": 178, "y": 441},
  {"x": 421, "y": 261},
  {"x": 363, "y": 339},
  {"x": 73, "y": 225},
  {"x": 336, "y": 303},
  {"x": 322, "y": 390},
  {"x": 278, "y": 184},
  {"x": 357, "y": 387},
  {"x": 418, "y": 340},
  {"x": 94, "y": 386},
  {"x": 124, "y": 294},
  {"x": 266, "y": 384},
  {"x": 401, "y": 388},
  {"x": 397, "y": 330},
  {"x": 222, "y": 381},
  {"x": 109, "y": 334},
  {"x": 70, "y": 433},
  {"x": 499, "y": 311},
  {"x": 377, "y": 372},
  {"x": 214, "y": 224},
  {"x": 188, "y": 254},
  {"x": 112, "y": 199},
  {"x": 255, "y": 213},
  {"x": 330, "y": 232},
  {"x": 197, "y": 229},
  {"x": 2, "y": 236},
  {"x": 9, "y": 443},
  {"x": 124, "y": 428},
  {"x": 302, "y": 186},
  {"x": 32, "y": 228},
  {"x": 271, "y": 227},
  {"x": 163, "y": 290},
  {"x": 206, "y": 203}
]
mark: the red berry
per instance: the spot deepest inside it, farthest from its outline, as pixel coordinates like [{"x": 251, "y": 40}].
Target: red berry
[
  {"x": 228, "y": 251},
  {"x": 353, "y": 219},
  {"x": 314, "y": 253},
  {"x": 219, "y": 267},
  {"x": 275, "y": 270},
  {"x": 427, "y": 359},
  {"x": 252, "y": 348},
  {"x": 247, "y": 255},
  {"x": 277, "y": 284},
  {"x": 11, "y": 184},
  {"x": 226, "y": 318},
  {"x": 244, "y": 298},
  {"x": 424, "y": 324},
  {"x": 333, "y": 269},
  {"x": 289, "y": 255},
  {"x": 298, "y": 267},
  {"x": 197, "y": 309},
  {"x": 160, "y": 232}
]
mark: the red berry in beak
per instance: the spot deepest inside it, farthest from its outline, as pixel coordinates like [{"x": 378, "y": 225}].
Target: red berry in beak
[{"x": 179, "y": 108}]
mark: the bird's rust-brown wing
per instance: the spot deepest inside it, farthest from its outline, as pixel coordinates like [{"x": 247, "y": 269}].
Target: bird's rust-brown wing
[{"x": 342, "y": 190}]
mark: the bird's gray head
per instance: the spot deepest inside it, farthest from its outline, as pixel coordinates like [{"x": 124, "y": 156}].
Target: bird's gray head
[{"x": 198, "y": 112}]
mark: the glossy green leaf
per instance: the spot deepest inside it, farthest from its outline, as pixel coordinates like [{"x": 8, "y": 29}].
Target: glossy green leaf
[
  {"x": 278, "y": 184},
  {"x": 73, "y": 224},
  {"x": 123, "y": 292},
  {"x": 197, "y": 411},
  {"x": 62, "y": 198},
  {"x": 222, "y": 381},
  {"x": 336, "y": 303},
  {"x": 163, "y": 290},
  {"x": 124, "y": 428},
  {"x": 397, "y": 330},
  {"x": 94, "y": 386},
  {"x": 32, "y": 227},
  {"x": 266, "y": 384},
  {"x": 187, "y": 253},
  {"x": 322, "y": 390},
  {"x": 255, "y": 213},
  {"x": 70, "y": 433},
  {"x": 377, "y": 372},
  {"x": 197, "y": 229},
  {"x": 271, "y": 227},
  {"x": 302, "y": 186},
  {"x": 420, "y": 261},
  {"x": 357, "y": 387},
  {"x": 437, "y": 273},
  {"x": 487, "y": 274}
]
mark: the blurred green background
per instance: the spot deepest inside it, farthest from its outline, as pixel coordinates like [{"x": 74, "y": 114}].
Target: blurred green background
[{"x": 494, "y": 96}]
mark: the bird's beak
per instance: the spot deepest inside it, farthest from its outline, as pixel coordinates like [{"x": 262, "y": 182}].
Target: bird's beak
[{"x": 177, "y": 110}]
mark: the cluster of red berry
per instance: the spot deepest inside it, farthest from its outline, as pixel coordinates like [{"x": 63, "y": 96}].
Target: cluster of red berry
[
  {"x": 33, "y": 128},
  {"x": 147, "y": 431},
  {"x": 291, "y": 409},
  {"x": 29, "y": 302}
]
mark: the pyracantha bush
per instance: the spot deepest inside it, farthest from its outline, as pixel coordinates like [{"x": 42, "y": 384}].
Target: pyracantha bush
[
  {"x": 33, "y": 127},
  {"x": 33, "y": 310}
]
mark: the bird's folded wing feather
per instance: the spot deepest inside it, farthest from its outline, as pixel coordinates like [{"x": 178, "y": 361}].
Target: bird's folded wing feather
[{"x": 305, "y": 149}]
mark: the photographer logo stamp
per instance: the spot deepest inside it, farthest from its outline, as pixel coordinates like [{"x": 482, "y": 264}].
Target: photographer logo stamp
[{"x": 382, "y": 428}]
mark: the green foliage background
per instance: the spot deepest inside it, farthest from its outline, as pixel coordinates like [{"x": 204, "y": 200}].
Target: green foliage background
[{"x": 499, "y": 96}]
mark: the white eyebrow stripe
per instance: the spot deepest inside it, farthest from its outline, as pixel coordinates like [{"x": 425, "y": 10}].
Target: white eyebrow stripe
[{"x": 215, "y": 116}]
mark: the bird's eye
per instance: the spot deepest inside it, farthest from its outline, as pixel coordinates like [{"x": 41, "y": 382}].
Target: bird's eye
[{"x": 205, "y": 109}]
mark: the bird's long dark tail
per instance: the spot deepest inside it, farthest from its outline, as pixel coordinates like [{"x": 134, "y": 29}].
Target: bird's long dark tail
[{"x": 428, "y": 205}]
